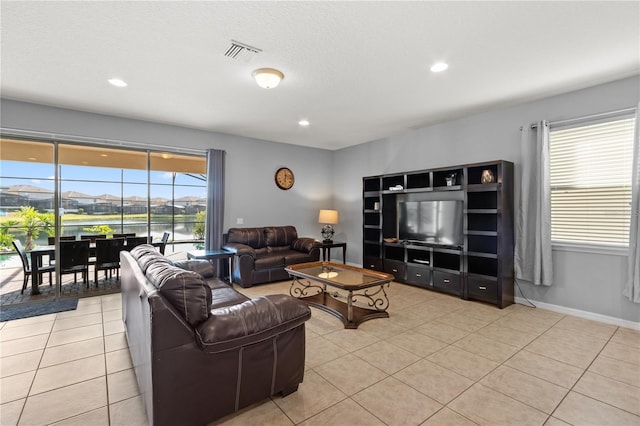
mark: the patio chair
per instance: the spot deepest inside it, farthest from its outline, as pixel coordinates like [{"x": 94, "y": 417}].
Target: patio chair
[
  {"x": 130, "y": 234},
  {"x": 52, "y": 240},
  {"x": 135, "y": 241},
  {"x": 93, "y": 237},
  {"x": 108, "y": 257},
  {"x": 165, "y": 238},
  {"x": 27, "y": 269},
  {"x": 74, "y": 258}
]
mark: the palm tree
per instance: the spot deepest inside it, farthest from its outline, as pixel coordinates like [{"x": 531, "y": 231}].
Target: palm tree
[{"x": 33, "y": 222}]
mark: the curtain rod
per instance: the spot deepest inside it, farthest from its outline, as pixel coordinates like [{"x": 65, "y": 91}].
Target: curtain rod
[
  {"x": 10, "y": 132},
  {"x": 587, "y": 117}
]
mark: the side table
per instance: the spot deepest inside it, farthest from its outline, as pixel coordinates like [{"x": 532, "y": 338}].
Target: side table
[
  {"x": 214, "y": 255},
  {"x": 326, "y": 250}
]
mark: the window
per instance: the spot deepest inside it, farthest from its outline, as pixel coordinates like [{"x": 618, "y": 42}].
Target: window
[
  {"x": 590, "y": 177},
  {"x": 101, "y": 190}
]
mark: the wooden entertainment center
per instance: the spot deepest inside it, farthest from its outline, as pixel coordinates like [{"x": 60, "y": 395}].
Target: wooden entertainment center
[{"x": 481, "y": 268}]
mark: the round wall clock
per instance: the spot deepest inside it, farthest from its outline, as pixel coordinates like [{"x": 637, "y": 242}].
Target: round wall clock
[{"x": 284, "y": 178}]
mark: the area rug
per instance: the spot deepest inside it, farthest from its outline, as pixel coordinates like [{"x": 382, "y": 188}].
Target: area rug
[{"x": 36, "y": 309}]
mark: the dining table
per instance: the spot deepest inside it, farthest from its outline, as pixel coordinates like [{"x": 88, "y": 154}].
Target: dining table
[{"x": 37, "y": 253}]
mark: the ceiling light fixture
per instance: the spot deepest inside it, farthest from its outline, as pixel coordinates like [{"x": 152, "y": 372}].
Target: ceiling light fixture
[
  {"x": 117, "y": 82},
  {"x": 267, "y": 78},
  {"x": 304, "y": 123},
  {"x": 439, "y": 67}
]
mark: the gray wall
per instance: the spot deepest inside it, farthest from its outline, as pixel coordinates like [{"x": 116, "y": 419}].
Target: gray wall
[
  {"x": 251, "y": 193},
  {"x": 325, "y": 179},
  {"x": 584, "y": 281}
]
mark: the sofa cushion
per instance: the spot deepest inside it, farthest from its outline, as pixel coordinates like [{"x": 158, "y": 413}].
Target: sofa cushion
[
  {"x": 280, "y": 235},
  {"x": 226, "y": 296},
  {"x": 200, "y": 266},
  {"x": 185, "y": 290},
  {"x": 253, "y": 237},
  {"x": 269, "y": 262}
]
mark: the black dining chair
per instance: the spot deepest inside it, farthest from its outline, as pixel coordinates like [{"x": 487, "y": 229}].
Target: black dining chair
[
  {"x": 135, "y": 241},
  {"x": 52, "y": 240},
  {"x": 108, "y": 257},
  {"x": 165, "y": 238},
  {"x": 92, "y": 238},
  {"x": 26, "y": 267},
  {"x": 126, "y": 235},
  {"x": 74, "y": 258}
]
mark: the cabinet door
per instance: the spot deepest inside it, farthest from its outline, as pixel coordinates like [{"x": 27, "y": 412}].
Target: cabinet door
[
  {"x": 419, "y": 276},
  {"x": 397, "y": 269},
  {"x": 447, "y": 282},
  {"x": 482, "y": 288},
  {"x": 374, "y": 263}
]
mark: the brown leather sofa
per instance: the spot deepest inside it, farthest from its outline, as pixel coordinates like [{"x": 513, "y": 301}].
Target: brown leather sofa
[
  {"x": 200, "y": 349},
  {"x": 261, "y": 254}
]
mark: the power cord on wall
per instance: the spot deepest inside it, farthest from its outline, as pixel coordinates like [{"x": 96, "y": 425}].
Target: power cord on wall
[{"x": 525, "y": 297}]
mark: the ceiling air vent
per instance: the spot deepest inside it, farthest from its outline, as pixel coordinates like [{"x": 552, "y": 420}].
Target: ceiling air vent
[{"x": 241, "y": 51}]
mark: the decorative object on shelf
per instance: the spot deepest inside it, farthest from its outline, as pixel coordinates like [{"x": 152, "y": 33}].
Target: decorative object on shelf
[
  {"x": 328, "y": 217},
  {"x": 284, "y": 178},
  {"x": 390, "y": 240},
  {"x": 396, "y": 188},
  {"x": 487, "y": 176},
  {"x": 450, "y": 179},
  {"x": 376, "y": 205},
  {"x": 267, "y": 78}
]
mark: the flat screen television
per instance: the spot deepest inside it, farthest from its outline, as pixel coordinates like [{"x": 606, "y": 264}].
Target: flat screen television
[{"x": 437, "y": 222}]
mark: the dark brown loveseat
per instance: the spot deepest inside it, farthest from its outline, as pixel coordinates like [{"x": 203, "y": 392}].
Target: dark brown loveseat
[
  {"x": 261, "y": 254},
  {"x": 200, "y": 349}
]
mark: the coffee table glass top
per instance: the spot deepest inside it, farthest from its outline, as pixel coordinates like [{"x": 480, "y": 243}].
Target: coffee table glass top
[{"x": 340, "y": 275}]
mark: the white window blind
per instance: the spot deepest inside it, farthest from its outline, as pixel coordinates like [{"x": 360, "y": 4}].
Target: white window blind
[{"x": 590, "y": 175}]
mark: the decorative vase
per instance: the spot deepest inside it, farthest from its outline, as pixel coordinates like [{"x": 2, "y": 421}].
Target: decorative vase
[
  {"x": 487, "y": 176},
  {"x": 451, "y": 179}
]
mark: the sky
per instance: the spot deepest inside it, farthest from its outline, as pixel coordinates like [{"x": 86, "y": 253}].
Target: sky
[{"x": 99, "y": 180}]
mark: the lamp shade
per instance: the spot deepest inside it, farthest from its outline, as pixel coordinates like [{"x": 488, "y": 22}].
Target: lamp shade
[
  {"x": 328, "y": 216},
  {"x": 267, "y": 78}
]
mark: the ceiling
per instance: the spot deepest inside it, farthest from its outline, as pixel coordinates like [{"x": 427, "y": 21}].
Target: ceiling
[{"x": 358, "y": 71}]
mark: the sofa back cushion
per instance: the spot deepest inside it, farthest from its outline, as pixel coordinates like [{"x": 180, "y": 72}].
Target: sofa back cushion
[
  {"x": 253, "y": 237},
  {"x": 146, "y": 255},
  {"x": 280, "y": 235},
  {"x": 185, "y": 290}
]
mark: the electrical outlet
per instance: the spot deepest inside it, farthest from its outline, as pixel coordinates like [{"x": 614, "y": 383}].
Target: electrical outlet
[{"x": 240, "y": 221}]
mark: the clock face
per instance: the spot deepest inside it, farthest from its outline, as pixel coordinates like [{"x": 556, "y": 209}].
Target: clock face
[{"x": 284, "y": 178}]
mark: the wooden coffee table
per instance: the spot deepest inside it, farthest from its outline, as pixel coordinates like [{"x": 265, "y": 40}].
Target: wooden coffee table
[{"x": 310, "y": 281}]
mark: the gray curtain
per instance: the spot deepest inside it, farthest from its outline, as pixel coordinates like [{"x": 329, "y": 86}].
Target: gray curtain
[
  {"x": 215, "y": 200},
  {"x": 632, "y": 287},
  {"x": 533, "y": 217}
]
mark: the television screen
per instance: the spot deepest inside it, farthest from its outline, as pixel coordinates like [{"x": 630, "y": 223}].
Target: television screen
[{"x": 433, "y": 222}]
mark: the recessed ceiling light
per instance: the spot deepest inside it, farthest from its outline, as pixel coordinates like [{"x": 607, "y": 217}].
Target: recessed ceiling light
[
  {"x": 117, "y": 82},
  {"x": 165, "y": 156},
  {"x": 439, "y": 67},
  {"x": 103, "y": 155},
  {"x": 32, "y": 158},
  {"x": 304, "y": 123}
]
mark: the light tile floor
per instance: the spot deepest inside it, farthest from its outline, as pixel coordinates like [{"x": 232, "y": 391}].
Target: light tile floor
[{"x": 437, "y": 360}]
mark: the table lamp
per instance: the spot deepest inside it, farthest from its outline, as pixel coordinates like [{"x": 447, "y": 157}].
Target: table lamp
[{"x": 328, "y": 217}]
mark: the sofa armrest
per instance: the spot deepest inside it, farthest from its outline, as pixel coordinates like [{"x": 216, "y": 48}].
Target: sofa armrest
[
  {"x": 250, "y": 322},
  {"x": 239, "y": 249},
  {"x": 303, "y": 244},
  {"x": 200, "y": 266}
]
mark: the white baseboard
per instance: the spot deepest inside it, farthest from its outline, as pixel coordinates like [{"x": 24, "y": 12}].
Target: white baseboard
[{"x": 582, "y": 314}]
